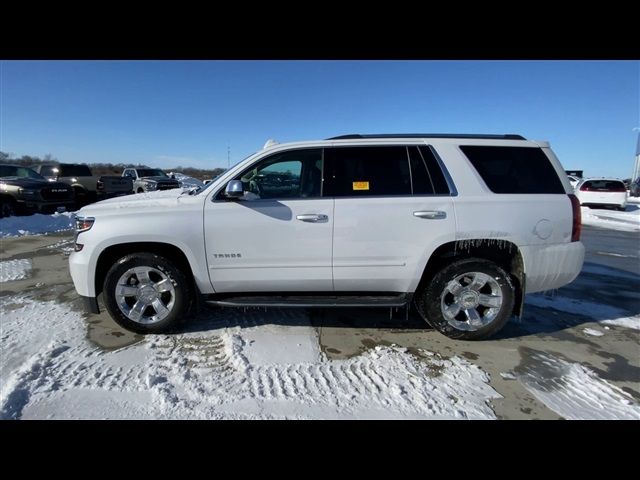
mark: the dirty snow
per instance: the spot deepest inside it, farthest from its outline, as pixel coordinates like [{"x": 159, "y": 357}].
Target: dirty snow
[
  {"x": 50, "y": 370},
  {"x": 592, "y": 332},
  {"x": 35, "y": 224},
  {"x": 628, "y": 221},
  {"x": 15, "y": 270},
  {"x": 574, "y": 391},
  {"x": 604, "y": 314}
]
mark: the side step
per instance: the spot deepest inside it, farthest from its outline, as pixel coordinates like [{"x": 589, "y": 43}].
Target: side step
[{"x": 280, "y": 300}]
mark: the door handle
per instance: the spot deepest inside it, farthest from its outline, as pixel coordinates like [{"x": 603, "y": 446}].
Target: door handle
[
  {"x": 431, "y": 214},
  {"x": 312, "y": 217}
]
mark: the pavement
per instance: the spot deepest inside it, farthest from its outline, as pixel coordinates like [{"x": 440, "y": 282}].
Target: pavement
[{"x": 611, "y": 277}]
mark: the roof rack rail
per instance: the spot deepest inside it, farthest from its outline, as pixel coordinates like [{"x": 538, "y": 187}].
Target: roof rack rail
[{"x": 353, "y": 136}]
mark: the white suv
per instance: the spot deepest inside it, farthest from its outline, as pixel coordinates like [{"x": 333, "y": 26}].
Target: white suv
[{"x": 462, "y": 225}]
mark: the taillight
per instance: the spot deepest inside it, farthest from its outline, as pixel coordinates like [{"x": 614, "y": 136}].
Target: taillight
[
  {"x": 100, "y": 185},
  {"x": 577, "y": 218}
]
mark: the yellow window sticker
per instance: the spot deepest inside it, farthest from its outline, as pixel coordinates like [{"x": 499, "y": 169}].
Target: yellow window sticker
[{"x": 361, "y": 185}]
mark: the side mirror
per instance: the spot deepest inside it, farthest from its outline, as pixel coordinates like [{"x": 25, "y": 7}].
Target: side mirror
[{"x": 234, "y": 189}]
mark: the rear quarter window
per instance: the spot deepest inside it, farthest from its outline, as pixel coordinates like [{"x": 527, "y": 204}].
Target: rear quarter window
[{"x": 514, "y": 169}]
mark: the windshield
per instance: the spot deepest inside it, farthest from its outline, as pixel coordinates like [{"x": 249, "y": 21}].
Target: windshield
[
  {"x": 151, "y": 172},
  {"x": 213, "y": 180},
  {"x": 23, "y": 172},
  {"x": 73, "y": 171}
]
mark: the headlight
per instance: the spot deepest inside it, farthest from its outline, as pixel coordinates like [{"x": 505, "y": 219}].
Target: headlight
[
  {"x": 151, "y": 185},
  {"x": 23, "y": 191},
  {"x": 84, "y": 223}
]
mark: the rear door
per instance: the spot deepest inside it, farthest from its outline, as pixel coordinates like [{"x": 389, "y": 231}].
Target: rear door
[{"x": 393, "y": 208}]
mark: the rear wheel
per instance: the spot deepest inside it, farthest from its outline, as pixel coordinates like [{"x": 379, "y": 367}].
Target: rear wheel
[
  {"x": 146, "y": 293},
  {"x": 469, "y": 299}
]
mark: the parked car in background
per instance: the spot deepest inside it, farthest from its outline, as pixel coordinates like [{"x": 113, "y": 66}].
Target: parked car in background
[
  {"x": 88, "y": 188},
  {"x": 634, "y": 188},
  {"x": 358, "y": 220},
  {"x": 186, "y": 181},
  {"x": 602, "y": 192},
  {"x": 147, "y": 179},
  {"x": 24, "y": 191}
]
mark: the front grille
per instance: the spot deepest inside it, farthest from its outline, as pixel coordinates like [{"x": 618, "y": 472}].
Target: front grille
[
  {"x": 53, "y": 193},
  {"x": 167, "y": 186}
]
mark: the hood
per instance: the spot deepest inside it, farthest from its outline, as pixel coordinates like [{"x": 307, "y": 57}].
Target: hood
[
  {"x": 138, "y": 201},
  {"x": 32, "y": 183},
  {"x": 160, "y": 179}
]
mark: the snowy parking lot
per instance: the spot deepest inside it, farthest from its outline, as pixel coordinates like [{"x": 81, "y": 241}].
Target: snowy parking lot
[{"x": 575, "y": 353}]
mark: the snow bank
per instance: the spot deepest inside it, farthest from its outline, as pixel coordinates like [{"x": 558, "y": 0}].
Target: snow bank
[
  {"x": 628, "y": 221},
  {"x": 15, "y": 270},
  {"x": 35, "y": 224},
  {"x": 50, "y": 370}
]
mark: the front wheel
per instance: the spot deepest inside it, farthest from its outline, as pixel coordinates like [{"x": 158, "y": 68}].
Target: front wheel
[
  {"x": 470, "y": 299},
  {"x": 146, "y": 293},
  {"x": 7, "y": 208}
]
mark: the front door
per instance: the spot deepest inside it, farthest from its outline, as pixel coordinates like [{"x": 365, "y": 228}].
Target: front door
[{"x": 277, "y": 237}]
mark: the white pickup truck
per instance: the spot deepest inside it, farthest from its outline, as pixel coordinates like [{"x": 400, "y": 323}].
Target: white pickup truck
[{"x": 462, "y": 225}]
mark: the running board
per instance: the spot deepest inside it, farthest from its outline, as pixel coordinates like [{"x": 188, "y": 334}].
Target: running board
[{"x": 398, "y": 300}]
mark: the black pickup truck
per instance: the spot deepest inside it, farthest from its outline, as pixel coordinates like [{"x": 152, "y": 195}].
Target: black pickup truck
[
  {"x": 87, "y": 187},
  {"x": 23, "y": 191}
]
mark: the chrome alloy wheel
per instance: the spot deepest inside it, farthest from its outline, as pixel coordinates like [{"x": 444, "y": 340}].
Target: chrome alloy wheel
[
  {"x": 471, "y": 301},
  {"x": 145, "y": 295}
]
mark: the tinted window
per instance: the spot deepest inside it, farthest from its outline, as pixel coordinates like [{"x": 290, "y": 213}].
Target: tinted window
[
  {"x": 293, "y": 174},
  {"x": 514, "y": 169},
  {"x": 434, "y": 172},
  {"x": 366, "y": 171},
  {"x": 603, "y": 186},
  {"x": 422, "y": 183},
  {"x": 151, "y": 172},
  {"x": 47, "y": 171},
  {"x": 22, "y": 172},
  {"x": 73, "y": 171}
]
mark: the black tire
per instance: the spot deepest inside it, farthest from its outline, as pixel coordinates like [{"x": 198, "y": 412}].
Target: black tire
[
  {"x": 428, "y": 299},
  {"x": 140, "y": 190},
  {"x": 181, "y": 284},
  {"x": 7, "y": 208}
]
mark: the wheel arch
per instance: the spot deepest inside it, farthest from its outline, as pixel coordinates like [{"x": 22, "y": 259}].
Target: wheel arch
[
  {"x": 113, "y": 252},
  {"x": 504, "y": 253}
]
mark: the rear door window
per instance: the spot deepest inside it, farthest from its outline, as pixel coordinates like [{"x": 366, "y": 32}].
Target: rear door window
[
  {"x": 366, "y": 171},
  {"x": 514, "y": 169}
]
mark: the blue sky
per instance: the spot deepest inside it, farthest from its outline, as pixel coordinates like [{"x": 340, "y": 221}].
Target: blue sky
[{"x": 169, "y": 113}]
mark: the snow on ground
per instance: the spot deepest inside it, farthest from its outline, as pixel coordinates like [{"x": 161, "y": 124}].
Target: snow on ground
[
  {"x": 604, "y": 314},
  {"x": 50, "y": 370},
  {"x": 628, "y": 221},
  {"x": 574, "y": 391},
  {"x": 592, "y": 332},
  {"x": 35, "y": 224},
  {"x": 15, "y": 270}
]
